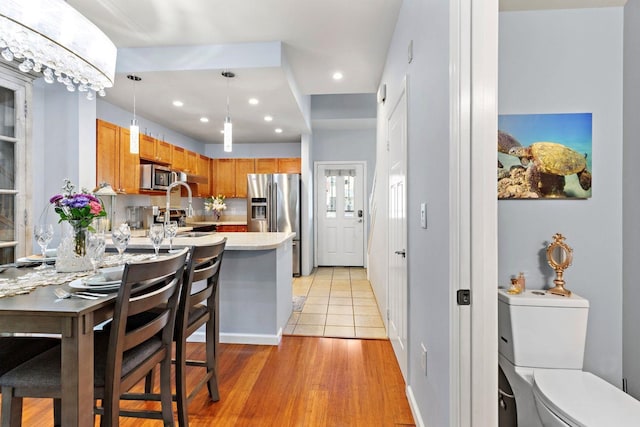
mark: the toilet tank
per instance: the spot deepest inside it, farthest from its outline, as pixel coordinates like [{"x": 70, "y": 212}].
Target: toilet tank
[{"x": 540, "y": 330}]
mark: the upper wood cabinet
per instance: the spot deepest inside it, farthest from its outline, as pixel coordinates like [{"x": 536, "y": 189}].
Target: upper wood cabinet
[
  {"x": 224, "y": 171},
  {"x": 155, "y": 150},
  {"x": 289, "y": 165},
  {"x": 164, "y": 152},
  {"x": 147, "y": 147},
  {"x": 243, "y": 167},
  {"x": 229, "y": 176},
  {"x": 266, "y": 165},
  {"x": 203, "y": 169},
  {"x": 179, "y": 159},
  {"x": 191, "y": 162},
  {"x": 114, "y": 163}
]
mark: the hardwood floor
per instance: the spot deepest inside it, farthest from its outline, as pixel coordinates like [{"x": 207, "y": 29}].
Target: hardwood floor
[{"x": 305, "y": 381}]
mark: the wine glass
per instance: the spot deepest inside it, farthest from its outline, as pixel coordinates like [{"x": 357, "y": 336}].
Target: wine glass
[
  {"x": 156, "y": 234},
  {"x": 95, "y": 248},
  {"x": 43, "y": 234},
  {"x": 120, "y": 237},
  {"x": 170, "y": 230}
]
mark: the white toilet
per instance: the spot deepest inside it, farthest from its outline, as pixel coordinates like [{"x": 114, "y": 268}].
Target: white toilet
[{"x": 541, "y": 346}]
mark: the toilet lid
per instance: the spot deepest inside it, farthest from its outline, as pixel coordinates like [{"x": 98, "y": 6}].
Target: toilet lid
[{"x": 581, "y": 399}]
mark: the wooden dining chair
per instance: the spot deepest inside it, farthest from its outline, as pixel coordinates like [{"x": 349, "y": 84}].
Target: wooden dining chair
[
  {"x": 17, "y": 350},
  {"x": 198, "y": 306},
  {"x": 122, "y": 356}
]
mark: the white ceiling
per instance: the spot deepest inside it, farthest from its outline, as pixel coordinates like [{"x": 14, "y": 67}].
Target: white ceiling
[{"x": 316, "y": 38}]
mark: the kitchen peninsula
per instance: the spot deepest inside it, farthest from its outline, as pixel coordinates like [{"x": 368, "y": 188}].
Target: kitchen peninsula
[{"x": 255, "y": 284}]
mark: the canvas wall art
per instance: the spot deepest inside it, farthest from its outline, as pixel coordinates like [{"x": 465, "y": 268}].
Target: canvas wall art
[{"x": 544, "y": 156}]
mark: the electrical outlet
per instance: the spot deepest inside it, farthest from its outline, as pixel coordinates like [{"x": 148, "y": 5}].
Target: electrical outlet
[{"x": 423, "y": 359}]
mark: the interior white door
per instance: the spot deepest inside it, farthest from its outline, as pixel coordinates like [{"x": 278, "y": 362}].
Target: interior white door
[
  {"x": 397, "y": 138},
  {"x": 340, "y": 201}
]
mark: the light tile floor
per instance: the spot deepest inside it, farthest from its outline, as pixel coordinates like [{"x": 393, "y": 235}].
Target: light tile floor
[{"x": 340, "y": 303}]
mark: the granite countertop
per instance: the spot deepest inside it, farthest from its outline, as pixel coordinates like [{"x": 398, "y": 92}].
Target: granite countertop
[{"x": 235, "y": 241}]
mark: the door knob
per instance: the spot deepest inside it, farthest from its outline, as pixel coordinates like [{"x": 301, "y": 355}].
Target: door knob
[{"x": 402, "y": 252}]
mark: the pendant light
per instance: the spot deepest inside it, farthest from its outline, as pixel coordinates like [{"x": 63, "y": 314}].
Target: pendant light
[
  {"x": 228, "y": 126},
  {"x": 134, "y": 129}
]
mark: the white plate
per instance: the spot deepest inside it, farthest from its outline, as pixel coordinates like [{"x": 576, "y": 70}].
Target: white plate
[
  {"x": 80, "y": 284},
  {"x": 100, "y": 281},
  {"x": 36, "y": 258}
]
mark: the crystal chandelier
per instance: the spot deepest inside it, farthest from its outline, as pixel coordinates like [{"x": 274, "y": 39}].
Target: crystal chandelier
[{"x": 52, "y": 38}]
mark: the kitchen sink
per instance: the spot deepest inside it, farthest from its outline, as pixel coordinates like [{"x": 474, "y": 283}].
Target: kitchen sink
[{"x": 194, "y": 233}]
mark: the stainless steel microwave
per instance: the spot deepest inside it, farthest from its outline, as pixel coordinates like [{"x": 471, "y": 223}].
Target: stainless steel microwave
[{"x": 155, "y": 177}]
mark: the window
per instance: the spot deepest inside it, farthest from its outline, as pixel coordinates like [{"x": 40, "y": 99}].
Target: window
[
  {"x": 334, "y": 178},
  {"x": 12, "y": 174}
]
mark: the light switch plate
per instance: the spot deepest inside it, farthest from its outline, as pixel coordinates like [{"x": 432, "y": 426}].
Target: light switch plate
[{"x": 423, "y": 215}]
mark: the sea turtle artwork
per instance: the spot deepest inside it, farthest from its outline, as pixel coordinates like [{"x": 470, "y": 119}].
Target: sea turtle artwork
[
  {"x": 505, "y": 143},
  {"x": 545, "y": 156},
  {"x": 544, "y": 168}
]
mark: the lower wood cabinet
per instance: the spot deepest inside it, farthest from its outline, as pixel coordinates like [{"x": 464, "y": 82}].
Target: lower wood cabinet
[{"x": 231, "y": 228}]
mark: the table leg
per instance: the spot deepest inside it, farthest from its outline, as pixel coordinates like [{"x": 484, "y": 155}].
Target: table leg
[{"x": 77, "y": 372}]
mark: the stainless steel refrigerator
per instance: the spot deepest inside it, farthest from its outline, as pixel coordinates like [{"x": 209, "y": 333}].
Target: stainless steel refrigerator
[{"x": 273, "y": 204}]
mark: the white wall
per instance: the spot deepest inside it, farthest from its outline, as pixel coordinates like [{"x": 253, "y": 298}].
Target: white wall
[
  {"x": 260, "y": 150},
  {"x": 347, "y": 145},
  {"x": 631, "y": 199},
  {"x": 427, "y": 24},
  {"x": 557, "y": 62},
  {"x": 63, "y": 138}
]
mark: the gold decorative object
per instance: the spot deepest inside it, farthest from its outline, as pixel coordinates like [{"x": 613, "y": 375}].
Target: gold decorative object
[{"x": 559, "y": 257}]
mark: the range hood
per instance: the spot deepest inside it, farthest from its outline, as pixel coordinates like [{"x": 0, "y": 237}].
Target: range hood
[{"x": 191, "y": 178}]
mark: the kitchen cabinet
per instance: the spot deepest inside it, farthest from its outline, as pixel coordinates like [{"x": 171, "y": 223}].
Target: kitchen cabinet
[
  {"x": 289, "y": 165},
  {"x": 221, "y": 228},
  {"x": 115, "y": 164},
  {"x": 154, "y": 150},
  {"x": 164, "y": 150},
  {"x": 191, "y": 162},
  {"x": 147, "y": 147},
  {"x": 230, "y": 176},
  {"x": 202, "y": 189},
  {"x": 224, "y": 183},
  {"x": 243, "y": 167},
  {"x": 179, "y": 161},
  {"x": 266, "y": 165},
  {"x": 279, "y": 165}
]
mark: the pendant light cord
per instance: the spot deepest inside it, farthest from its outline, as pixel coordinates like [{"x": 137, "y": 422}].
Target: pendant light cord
[{"x": 134, "y": 100}]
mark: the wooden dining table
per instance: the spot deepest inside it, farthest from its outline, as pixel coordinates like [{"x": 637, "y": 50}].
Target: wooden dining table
[{"x": 74, "y": 319}]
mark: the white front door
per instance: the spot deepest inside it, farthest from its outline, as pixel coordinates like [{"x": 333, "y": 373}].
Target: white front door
[
  {"x": 340, "y": 207},
  {"x": 397, "y": 138}
]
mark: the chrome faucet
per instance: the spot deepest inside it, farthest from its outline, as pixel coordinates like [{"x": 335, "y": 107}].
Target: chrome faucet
[{"x": 171, "y": 186}]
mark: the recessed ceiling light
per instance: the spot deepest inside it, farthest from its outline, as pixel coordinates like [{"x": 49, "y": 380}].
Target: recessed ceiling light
[
  {"x": 254, "y": 101},
  {"x": 221, "y": 130},
  {"x": 204, "y": 119},
  {"x": 337, "y": 75},
  {"x": 268, "y": 118},
  {"x": 177, "y": 103},
  {"x": 278, "y": 130}
]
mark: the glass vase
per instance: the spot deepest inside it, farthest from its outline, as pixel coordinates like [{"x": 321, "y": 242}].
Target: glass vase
[{"x": 72, "y": 252}]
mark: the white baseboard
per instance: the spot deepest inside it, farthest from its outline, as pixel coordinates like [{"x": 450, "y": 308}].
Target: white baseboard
[
  {"x": 229, "y": 338},
  {"x": 417, "y": 417}
]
